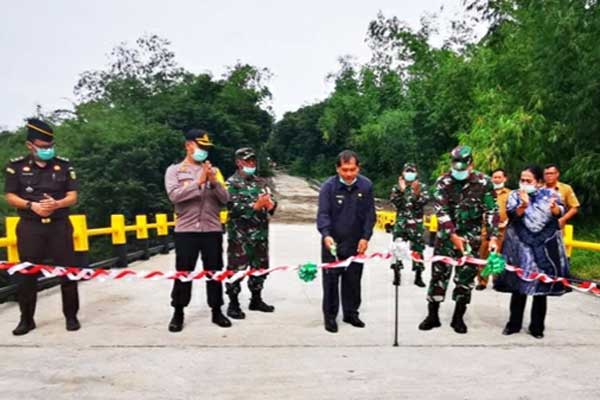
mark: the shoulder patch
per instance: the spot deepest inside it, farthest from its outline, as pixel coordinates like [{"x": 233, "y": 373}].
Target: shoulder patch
[
  {"x": 17, "y": 159},
  {"x": 10, "y": 170},
  {"x": 64, "y": 159}
]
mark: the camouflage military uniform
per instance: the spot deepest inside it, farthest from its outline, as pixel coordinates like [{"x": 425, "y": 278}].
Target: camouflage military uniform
[
  {"x": 461, "y": 206},
  {"x": 409, "y": 218},
  {"x": 247, "y": 230}
]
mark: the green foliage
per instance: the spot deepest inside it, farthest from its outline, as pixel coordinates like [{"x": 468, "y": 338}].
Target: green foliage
[{"x": 127, "y": 127}]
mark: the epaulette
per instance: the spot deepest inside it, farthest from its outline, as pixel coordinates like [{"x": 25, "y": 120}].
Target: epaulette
[
  {"x": 17, "y": 159},
  {"x": 63, "y": 159}
]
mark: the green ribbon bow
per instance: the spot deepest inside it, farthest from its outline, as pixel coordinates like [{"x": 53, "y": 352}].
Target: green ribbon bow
[
  {"x": 495, "y": 265},
  {"x": 308, "y": 272}
]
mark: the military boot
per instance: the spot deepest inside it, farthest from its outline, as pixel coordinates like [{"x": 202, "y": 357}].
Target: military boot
[
  {"x": 433, "y": 319},
  {"x": 257, "y": 303},
  {"x": 419, "y": 279},
  {"x": 176, "y": 324},
  {"x": 233, "y": 310},
  {"x": 26, "y": 323},
  {"x": 457, "y": 318},
  {"x": 219, "y": 319}
]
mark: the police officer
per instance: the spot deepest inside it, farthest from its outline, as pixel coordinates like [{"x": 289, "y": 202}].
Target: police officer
[
  {"x": 463, "y": 198},
  {"x": 197, "y": 190},
  {"x": 345, "y": 219},
  {"x": 42, "y": 186},
  {"x": 250, "y": 206}
]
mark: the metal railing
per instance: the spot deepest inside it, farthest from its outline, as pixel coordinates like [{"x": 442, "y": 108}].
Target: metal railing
[{"x": 387, "y": 219}]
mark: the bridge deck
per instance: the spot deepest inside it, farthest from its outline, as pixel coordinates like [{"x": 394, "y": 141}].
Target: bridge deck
[{"x": 124, "y": 350}]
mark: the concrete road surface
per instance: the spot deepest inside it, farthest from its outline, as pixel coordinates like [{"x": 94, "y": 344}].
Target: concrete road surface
[{"x": 124, "y": 350}]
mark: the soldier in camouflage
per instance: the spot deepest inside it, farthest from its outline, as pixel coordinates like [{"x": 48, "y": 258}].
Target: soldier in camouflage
[
  {"x": 463, "y": 198},
  {"x": 409, "y": 197},
  {"x": 250, "y": 206}
]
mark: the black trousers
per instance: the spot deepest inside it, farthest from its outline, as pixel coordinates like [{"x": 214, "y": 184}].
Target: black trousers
[
  {"x": 188, "y": 245},
  {"x": 538, "y": 312},
  {"x": 52, "y": 244},
  {"x": 350, "y": 283}
]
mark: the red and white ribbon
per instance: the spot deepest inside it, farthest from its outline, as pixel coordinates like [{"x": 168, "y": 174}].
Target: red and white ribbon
[{"x": 77, "y": 274}]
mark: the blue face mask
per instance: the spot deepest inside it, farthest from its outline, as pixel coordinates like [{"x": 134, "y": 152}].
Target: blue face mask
[
  {"x": 45, "y": 154},
  {"x": 200, "y": 155},
  {"x": 346, "y": 183},
  {"x": 410, "y": 176},
  {"x": 460, "y": 175},
  {"x": 249, "y": 170}
]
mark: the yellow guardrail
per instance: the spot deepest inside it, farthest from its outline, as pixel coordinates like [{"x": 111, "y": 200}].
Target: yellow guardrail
[
  {"x": 387, "y": 219},
  {"x": 118, "y": 231}
]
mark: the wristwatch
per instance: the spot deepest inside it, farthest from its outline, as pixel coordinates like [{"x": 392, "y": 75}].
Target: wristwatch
[{"x": 28, "y": 205}]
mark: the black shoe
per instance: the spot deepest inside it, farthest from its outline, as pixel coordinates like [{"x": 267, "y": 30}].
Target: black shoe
[
  {"x": 480, "y": 287},
  {"x": 176, "y": 324},
  {"x": 510, "y": 331},
  {"x": 354, "y": 321},
  {"x": 458, "y": 322},
  {"x": 219, "y": 319},
  {"x": 73, "y": 324},
  {"x": 419, "y": 280},
  {"x": 257, "y": 304},
  {"x": 537, "y": 335},
  {"x": 331, "y": 325},
  {"x": 432, "y": 320},
  {"x": 234, "y": 311},
  {"x": 24, "y": 327}
]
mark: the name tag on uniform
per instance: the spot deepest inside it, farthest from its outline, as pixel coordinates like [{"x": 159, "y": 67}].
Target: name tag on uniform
[{"x": 339, "y": 199}]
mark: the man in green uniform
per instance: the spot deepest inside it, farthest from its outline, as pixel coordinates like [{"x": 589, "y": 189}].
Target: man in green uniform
[
  {"x": 463, "y": 198},
  {"x": 42, "y": 187},
  {"x": 250, "y": 206},
  {"x": 409, "y": 197}
]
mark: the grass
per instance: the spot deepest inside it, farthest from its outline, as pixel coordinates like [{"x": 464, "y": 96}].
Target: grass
[{"x": 585, "y": 264}]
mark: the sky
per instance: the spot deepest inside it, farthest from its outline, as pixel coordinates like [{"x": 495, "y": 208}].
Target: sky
[{"x": 46, "y": 45}]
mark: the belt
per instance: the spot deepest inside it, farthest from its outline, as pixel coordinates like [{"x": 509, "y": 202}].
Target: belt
[{"x": 44, "y": 220}]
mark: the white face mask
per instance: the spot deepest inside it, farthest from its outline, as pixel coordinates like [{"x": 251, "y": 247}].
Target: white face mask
[
  {"x": 527, "y": 187},
  {"x": 498, "y": 186}
]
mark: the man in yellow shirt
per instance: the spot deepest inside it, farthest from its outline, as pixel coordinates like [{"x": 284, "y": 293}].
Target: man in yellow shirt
[
  {"x": 567, "y": 195},
  {"x": 499, "y": 180}
]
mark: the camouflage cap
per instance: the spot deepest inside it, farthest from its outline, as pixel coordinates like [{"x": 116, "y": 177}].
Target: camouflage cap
[
  {"x": 409, "y": 167},
  {"x": 245, "y": 153},
  {"x": 461, "y": 156}
]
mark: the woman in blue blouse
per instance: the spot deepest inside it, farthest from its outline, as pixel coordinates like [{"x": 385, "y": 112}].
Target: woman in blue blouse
[{"x": 533, "y": 242}]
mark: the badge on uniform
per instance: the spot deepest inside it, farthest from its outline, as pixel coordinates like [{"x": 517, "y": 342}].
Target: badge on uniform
[
  {"x": 57, "y": 167},
  {"x": 26, "y": 168},
  {"x": 29, "y": 189},
  {"x": 360, "y": 195},
  {"x": 72, "y": 173},
  {"x": 10, "y": 170}
]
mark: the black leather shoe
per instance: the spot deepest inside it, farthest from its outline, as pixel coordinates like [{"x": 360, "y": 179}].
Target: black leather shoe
[
  {"x": 354, "y": 321},
  {"x": 176, "y": 324},
  {"x": 24, "y": 327},
  {"x": 331, "y": 325},
  {"x": 219, "y": 319},
  {"x": 73, "y": 324},
  {"x": 235, "y": 312},
  {"x": 510, "y": 331},
  {"x": 537, "y": 335}
]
